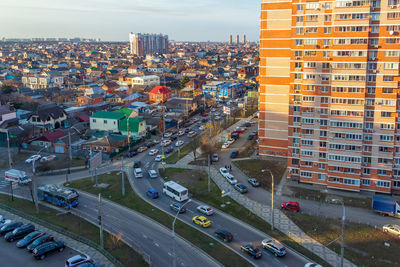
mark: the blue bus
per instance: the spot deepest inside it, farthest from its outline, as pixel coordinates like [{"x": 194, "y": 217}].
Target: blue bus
[{"x": 58, "y": 195}]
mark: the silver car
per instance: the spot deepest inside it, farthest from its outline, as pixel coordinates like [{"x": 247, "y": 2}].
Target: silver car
[{"x": 392, "y": 229}]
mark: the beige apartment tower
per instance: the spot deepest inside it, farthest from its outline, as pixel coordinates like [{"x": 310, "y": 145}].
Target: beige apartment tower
[{"x": 329, "y": 91}]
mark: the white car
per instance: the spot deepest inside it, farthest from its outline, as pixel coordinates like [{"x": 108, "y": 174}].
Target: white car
[
  {"x": 230, "y": 141},
  {"x": 77, "y": 260},
  {"x": 153, "y": 152},
  {"x": 33, "y": 158},
  {"x": 223, "y": 171},
  {"x": 47, "y": 158},
  {"x": 392, "y": 229},
  {"x": 142, "y": 149},
  {"x": 179, "y": 143},
  {"x": 312, "y": 264},
  {"x": 166, "y": 143},
  {"x": 192, "y": 133},
  {"x": 4, "y": 222},
  {"x": 158, "y": 158},
  {"x": 167, "y": 135},
  {"x": 205, "y": 210},
  {"x": 202, "y": 127},
  {"x": 217, "y": 118},
  {"x": 231, "y": 179},
  {"x": 225, "y": 145},
  {"x": 153, "y": 174},
  {"x": 181, "y": 133}
]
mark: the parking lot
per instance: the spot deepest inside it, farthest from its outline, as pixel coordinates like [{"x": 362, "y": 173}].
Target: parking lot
[{"x": 11, "y": 256}]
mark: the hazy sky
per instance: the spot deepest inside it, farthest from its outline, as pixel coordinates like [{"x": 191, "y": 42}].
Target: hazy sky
[{"x": 183, "y": 20}]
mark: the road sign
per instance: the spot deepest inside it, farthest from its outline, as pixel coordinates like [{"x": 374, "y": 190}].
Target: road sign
[
  {"x": 95, "y": 161},
  {"x": 225, "y": 193},
  {"x": 227, "y": 110},
  {"x": 117, "y": 150},
  {"x": 163, "y": 156},
  {"x": 14, "y": 185}
]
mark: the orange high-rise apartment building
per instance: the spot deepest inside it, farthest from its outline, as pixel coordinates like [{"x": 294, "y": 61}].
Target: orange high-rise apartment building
[{"x": 329, "y": 91}]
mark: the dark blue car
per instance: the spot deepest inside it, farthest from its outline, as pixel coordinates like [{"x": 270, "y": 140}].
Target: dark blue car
[
  {"x": 234, "y": 154},
  {"x": 152, "y": 193}
]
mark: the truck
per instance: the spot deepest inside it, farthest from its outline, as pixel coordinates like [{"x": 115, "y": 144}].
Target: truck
[
  {"x": 17, "y": 176},
  {"x": 385, "y": 206}
]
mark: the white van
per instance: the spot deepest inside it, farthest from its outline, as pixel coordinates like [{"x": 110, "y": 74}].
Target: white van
[
  {"x": 17, "y": 176},
  {"x": 138, "y": 172}
]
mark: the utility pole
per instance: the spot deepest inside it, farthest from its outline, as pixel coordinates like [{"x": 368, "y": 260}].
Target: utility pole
[
  {"x": 9, "y": 152},
  {"x": 34, "y": 187},
  {"x": 123, "y": 178},
  {"x": 100, "y": 222},
  {"x": 342, "y": 243},
  {"x": 179, "y": 147},
  {"x": 70, "y": 155},
  {"x": 162, "y": 137},
  {"x": 95, "y": 173},
  {"x": 209, "y": 173},
  {"x": 272, "y": 201}
]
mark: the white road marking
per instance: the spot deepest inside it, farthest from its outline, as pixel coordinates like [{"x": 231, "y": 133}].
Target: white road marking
[
  {"x": 145, "y": 236},
  {"x": 156, "y": 244}
]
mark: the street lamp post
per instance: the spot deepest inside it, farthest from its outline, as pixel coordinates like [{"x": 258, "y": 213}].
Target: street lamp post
[
  {"x": 272, "y": 198},
  {"x": 173, "y": 235},
  {"x": 34, "y": 182},
  {"x": 9, "y": 152},
  {"x": 343, "y": 229}
]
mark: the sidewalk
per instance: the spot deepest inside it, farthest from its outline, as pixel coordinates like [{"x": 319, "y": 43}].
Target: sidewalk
[
  {"x": 282, "y": 222},
  {"x": 75, "y": 245}
]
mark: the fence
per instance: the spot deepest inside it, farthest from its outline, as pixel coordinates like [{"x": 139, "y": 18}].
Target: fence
[{"x": 64, "y": 232}]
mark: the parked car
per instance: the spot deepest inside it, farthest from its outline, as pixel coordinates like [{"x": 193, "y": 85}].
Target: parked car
[
  {"x": 234, "y": 154},
  {"x": 235, "y": 135},
  {"x": 177, "y": 206},
  {"x": 274, "y": 247},
  {"x": 205, "y": 210},
  {"x": 10, "y": 227},
  {"x": 153, "y": 152},
  {"x": 41, "y": 251},
  {"x": 192, "y": 134},
  {"x": 132, "y": 153},
  {"x": 240, "y": 130},
  {"x": 253, "y": 182},
  {"x": 290, "y": 206},
  {"x": 251, "y": 250},
  {"x": 167, "y": 135},
  {"x": 205, "y": 115},
  {"x": 229, "y": 177},
  {"x": 153, "y": 174},
  {"x": 231, "y": 141},
  {"x": 181, "y": 133},
  {"x": 202, "y": 221},
  {"x": 47, "y": 158},
  {"x": 142, "y": 149},
  {"x": 29, "y": 239},
  {"x": 202, "y": 127},
  {"x": 4, "y": 222},
  {"x": 158, "y": 158},
  {"x": 179, "y": 143},
  {"x": 312, "y": 264},
  {"x": 41, "y": 240},
  {"x": 32, "y": 158},
  {"x": 225, "y": 145},
  {"x": 250, "y": 137},
  {"x": 224, "y": 235},
  {"x": 19, "y": 232},
  {"x": 77, "y": 260},
  {"x": 173, "y": 138},
  {"x": 392, "y": 229},
  {"x": 150, "y": 144},
  {"x": 241, "y": 188},
  {"x": 223, "y": 171},
  {"x": 166, "y": 142},
  {"x": 187, "y": 130},
  {"x": 255, "y": 133},
  {"x": 169, "y": 150},
  {"x": 214, "y": 157},
  {"x": 152, "y": 193}
]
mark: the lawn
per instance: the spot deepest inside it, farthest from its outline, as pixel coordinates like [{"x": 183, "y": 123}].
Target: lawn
[
  {"x": 78, "y": 226},
  {"x": 133, "y": 201},
  {"x": 186, "y": 149},
  {"x": 317, "y": 195},
  {"x": 364, "y": 245},
  {"x": 60, "y": 163},
  {"x": 197, "y": 183},
  {"x": 16, "y": 159},
  {"x": 256, "y": 168}
]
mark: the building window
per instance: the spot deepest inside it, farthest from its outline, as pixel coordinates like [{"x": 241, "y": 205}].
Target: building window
[
  {"x": 321, "y": 166},
  {"x": 385, "y": 184},
  {"x": 94, "y": 120},
  {"x": 366, "y": 182},
  {"x": 321, "y": 176},
  {"x": 366, "y": 171},
  {"x": 105, "y": 121}
]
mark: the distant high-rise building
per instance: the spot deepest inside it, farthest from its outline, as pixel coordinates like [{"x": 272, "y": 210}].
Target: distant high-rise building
[
  {"x": 237, "y": 39},
  {"x": 244, "y": 39},
  {"x": 143, "y": 44},
  {"x": 230, "y": 39}
]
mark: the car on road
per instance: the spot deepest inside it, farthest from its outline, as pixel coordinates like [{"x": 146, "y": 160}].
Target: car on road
[
  {"x": 229, "y": 177},
  {"x": 253, "y": 182},
  {"x": 4, "y": 222},
  {"x": 251, "y": 250},
  {"x": 167, "y": 135},
  {"x": 152, "y": 193},
  {"x": 235, "y": 136},
  {"x": 47, "y": 158},
  {"x": 153, "y": 174},
  {"x": 223, "y": 171},
  {"x": 10, "y": 227},
  {"x": 255, "y": 133},
  {"x": 153, "y": 152},
  {"x": 179, "y": 143},
  {"x": 225, "y": 145},
  {"x": 41, "y": 240},
  {"x": 29, "y": 239},
  {"x": 150, "y": 144},
  {"x": 290, "y": 206},
  {"x": 274, "y": 247},
  {"x": 142, "y": 149},
  {"x": 231, "y": 141},
  {"x": 240, "y": 130},
  {"x": 41, "y": 251},
  {"x": 177, "y": 206},
  {"x": 19, "y": 232},
  {"x": 173, "y": 138},
  {"x": 138, "y": 172},
  {"x": 224, "y": 235},
  {"x": 166, "y": 143},
  {"x": 181, "y": 133},
  {"x": 192, "y": 133},
  {"x": 169, "y": 150},
  {"x": 77, "y": 260},
  {"x": 241, "y": 188},
  {"x": 214, "y": 157},
  {"x": 392, "y": 229},
  {"x": 132, "y": 153},
  {"x": 202, "y": 221},
  {"x": 32, "y": 158},
  {"x": 250, "y": 137},
  {"x": 234, "y": 154},
  {"x": 312, "y": 264},
  {"x": 187, "y": 130},
  {"x": 202, "y": 127},
  {"x": 205, "y": 210},
  {"x": 158, "y": 158},
  {"x": 137, "y": 164}
]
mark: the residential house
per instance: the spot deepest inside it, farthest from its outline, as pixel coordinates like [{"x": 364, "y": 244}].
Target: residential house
[
  {"x": 106, "y": 144},
  {"x": 160, "y": 94},
  {"x": 149, "y": 80},
  {"x": 181, "y": 105},
  {"x": 50, "y": 117},
  {"x": 7, "y": 115},
  {"x": 48, "y": 139},
  {"x": 106, "y": 121},
  {"x": 90, "y": 99},
  {"x": 136, "y": 126}
]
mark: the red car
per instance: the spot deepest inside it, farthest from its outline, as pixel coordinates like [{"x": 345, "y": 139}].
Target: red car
[
  {"x": 205, "y": 115},
  {"x": 238, "y": 130},
  {"x": 290, "y": 206}
]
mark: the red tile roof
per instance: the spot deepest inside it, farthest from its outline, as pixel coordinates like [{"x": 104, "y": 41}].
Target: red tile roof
[
  {"x": 51, "y": 137},
  {"x": 160, "y": 90}
]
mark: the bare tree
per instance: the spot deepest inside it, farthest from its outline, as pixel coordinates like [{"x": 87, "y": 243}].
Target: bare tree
[{"x": 194, "y": 145}]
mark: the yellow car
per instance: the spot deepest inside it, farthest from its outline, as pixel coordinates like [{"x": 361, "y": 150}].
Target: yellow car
[{"x": 202, "y": 221}]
